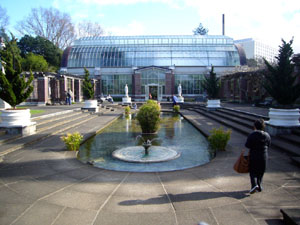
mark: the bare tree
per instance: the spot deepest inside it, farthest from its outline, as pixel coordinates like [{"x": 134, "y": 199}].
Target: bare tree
[
  {"x": 3, "y": 18},
  {"x": 89, "y": 29},
  {"x": 49, "y": 23}
]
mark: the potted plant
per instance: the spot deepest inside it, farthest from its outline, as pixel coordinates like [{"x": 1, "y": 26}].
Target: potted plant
[
  {"x": 15, "y": 88},
  {"x": 282, "y": 85},
  {"x": 149, "y": 117},
  {"x": 211, "y": 85},
  {"x": 88, "y": 91}
]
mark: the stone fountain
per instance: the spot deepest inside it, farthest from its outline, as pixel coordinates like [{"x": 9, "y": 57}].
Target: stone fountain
[{"x": 147, "y": 153}]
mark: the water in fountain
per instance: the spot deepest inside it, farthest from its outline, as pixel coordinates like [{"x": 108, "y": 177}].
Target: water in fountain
[{"x": 175, "y": 133}]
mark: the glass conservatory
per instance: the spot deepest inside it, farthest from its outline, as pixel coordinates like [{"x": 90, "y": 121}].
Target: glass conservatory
[{"x": 151, "y": 61}]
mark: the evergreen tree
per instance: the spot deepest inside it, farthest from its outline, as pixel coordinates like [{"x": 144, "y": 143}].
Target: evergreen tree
[
  {"x": 211, "y": 84},
  {"x": 41, "y": 46},
  {"x": 14, "y": 88},
  {"x": 34, "y": 62},
  {"x": 200, "y": 30},
  {"x": 280, "y": 80},
  {"x": 87, "y": 87}
]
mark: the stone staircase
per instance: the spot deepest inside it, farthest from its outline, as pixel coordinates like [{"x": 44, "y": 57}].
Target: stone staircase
[
  {"x": 55, "y": 124},
  {"x": 243, "y": 122}
]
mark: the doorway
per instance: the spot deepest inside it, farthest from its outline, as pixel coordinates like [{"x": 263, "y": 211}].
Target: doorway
[{"x": 153, "y": 91}]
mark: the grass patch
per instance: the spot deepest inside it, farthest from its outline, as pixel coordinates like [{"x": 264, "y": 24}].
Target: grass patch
[{"x": 32, "y": 111}]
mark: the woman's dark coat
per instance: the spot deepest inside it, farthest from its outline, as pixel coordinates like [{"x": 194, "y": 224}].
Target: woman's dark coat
[{"x": 258, "y": 142}]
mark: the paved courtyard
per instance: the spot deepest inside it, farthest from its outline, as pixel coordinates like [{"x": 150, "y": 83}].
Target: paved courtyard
[{"x": 44, "y": 184}]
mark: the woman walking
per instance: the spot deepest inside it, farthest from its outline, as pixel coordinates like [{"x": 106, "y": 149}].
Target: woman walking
[{"x": 258, "y": 142}]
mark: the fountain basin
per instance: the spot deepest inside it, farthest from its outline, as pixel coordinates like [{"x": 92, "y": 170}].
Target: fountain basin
[
  {"x": 175, "y": 133},
  {"x": 137, "y": 154}
]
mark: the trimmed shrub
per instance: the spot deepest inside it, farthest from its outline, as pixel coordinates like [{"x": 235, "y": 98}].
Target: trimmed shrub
[
  {"x": 127, "y": 110},
  {"x": 149, "y": 117},
  {"x": 219, "y": 138},
  {"x": 176, "y": 108},
  {"x": 72, "y": 141}
]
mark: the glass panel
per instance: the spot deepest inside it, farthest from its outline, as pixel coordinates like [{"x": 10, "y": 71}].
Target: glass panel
[{"x": 109, "y": 51}]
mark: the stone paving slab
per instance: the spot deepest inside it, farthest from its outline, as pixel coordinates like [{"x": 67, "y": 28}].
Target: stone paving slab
[{"x": 44, "y": 184}]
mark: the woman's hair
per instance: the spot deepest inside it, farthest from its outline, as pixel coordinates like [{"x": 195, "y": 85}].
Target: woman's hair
[{"x": 259, "y": 124}]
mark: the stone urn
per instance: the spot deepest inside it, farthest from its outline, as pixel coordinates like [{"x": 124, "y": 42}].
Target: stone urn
[
  {"x": 90, "y": 104},
  {"x": 15, "y": 117},
  {"x": 213, "y": 103},
  {"x": 284, "y": 117}
]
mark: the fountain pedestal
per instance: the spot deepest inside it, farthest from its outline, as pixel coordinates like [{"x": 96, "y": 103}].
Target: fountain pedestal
[{"x": 137, "y": 154}]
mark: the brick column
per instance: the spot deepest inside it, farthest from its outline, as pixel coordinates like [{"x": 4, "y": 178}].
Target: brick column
[
  {"x": 63, "y": 88},
  {"x": 77, "y": 90},
  {"x": 243, "y": 90},
  {"x": 42, "y": 90},
  {"x": 136, "y": 85},
  {"x": 170, "y": 84}
]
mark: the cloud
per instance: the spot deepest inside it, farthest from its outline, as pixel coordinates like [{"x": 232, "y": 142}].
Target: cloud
[
  {"x": 267, "y": 20},
  {"x": 134, "y": 28}
]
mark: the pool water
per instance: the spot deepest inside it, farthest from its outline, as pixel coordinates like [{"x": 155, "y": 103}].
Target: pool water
[{"x": 175, "y": 133}]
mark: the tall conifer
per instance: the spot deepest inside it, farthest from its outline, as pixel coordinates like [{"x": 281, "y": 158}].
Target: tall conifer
[
  {"x": 280, "y": 80},
  {"x": 14, "y": 88}
]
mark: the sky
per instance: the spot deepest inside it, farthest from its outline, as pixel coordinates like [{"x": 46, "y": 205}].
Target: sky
[{"x": 266, "y": 20}]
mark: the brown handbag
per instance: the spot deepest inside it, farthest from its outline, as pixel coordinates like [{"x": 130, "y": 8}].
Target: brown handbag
[{"x": 242, "y": 163}]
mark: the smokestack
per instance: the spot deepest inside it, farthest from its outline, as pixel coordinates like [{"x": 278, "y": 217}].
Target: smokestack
[{"x": 223, "y": 24}]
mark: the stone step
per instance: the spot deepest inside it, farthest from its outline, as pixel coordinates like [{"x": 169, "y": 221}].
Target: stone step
[
  {"x": 245, "y": 130},
  {"x": 296, "y": 160},
  {"x": 49, "y": 119},
  {"x": 291, "y": 138},
  {"x": 285, "y": 146},
  {"x": 254, "y": 115},
  {"x": 225, "y": 122},
  {"x": 241, "y": 114},
  {"x": 291, "y": 216},
  {"x": 11, "y": 145},
  {"x": 234, "y": 118},
  {"x": 296, "y": 132},
  {"x": 28, "y": 140},
  {"x": 61, "y": 121}
]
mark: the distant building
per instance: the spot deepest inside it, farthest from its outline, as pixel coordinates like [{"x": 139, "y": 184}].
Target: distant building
[{"x": 256, "y": 49}]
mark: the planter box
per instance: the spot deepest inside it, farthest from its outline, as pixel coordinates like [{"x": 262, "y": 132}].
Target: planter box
[
  {"x": 284, "y": 117},
  {"x": 18, "y": 122},
  {"x": 19, "y": 117},
  {"x": 216, "y": 103},
  {"x": 282, "y": 121},
  {"x": 91, "y": 106}
]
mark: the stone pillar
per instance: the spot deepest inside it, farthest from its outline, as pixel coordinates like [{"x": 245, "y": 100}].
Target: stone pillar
[
  {"x": 136, "y": 85},
  {"x": 43, "y": 90}
]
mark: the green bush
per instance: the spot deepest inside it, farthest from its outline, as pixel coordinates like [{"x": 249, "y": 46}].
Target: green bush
[
  {"x": 149, "y": 117},
  {"x": 219, "y": 138},
  {"x": 127, "y": 110},
  {"x": 72, "y": 141},
  {"x": 176, "y": 108}
]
